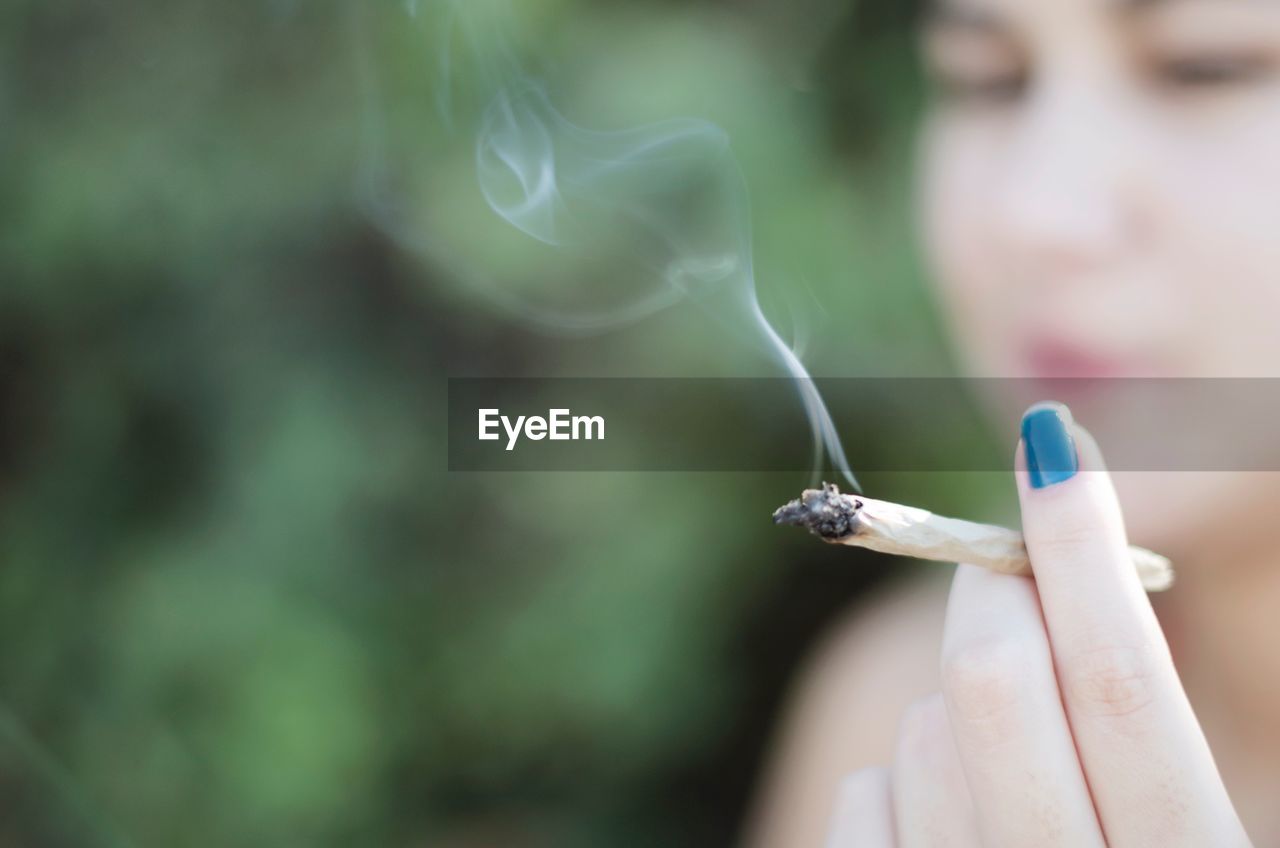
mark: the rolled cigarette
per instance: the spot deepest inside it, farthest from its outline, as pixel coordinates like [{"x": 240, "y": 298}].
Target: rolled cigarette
[{"x": 909, "y": 531}]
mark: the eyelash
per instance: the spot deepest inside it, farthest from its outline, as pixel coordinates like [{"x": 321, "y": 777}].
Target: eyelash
[
  {"x": 1183, "y": 74},
  {"x": 1210, "y": 71},
  {"x": 994, "y": 90}
]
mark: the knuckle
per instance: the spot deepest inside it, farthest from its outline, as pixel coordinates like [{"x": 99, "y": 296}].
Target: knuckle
[
  {"x": 1070, "y": 533},
  {"x": 986, "y": 684},
  {"x": 871, "y": 780},
  {"x": 923, "y": 725},
  {"x": 1110, "y": 681}
]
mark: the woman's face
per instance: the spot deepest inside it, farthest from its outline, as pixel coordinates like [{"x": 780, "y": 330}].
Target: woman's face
[{"x": 1101, "y": 191}]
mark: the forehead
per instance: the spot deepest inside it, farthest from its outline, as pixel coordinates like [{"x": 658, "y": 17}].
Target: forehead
[
  {"x": 978, "y": 11},
  {"x": 1055, "y": 19}
]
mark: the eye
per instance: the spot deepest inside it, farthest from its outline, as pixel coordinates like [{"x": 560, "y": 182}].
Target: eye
[
  {"x": 993, "y": 90},
  {"x": 1211, "y": 70},
  {"x": 996, "y": 89},
  {"x": 974, "y": 67}
]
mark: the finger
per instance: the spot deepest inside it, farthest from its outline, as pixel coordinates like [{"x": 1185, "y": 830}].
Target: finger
[
  {"x": 1146, "y": 760},
  {"x": 930, "y": 800},
  {"x": 1006, "y": 717},
  {"x": 863, "y": 814}
]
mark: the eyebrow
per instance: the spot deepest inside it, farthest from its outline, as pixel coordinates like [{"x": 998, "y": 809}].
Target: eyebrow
[
  {"x": 959, "y": 14},
  {"x": 945, "y": 13}
]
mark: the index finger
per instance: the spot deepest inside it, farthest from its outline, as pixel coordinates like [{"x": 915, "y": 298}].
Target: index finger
[{"x": 1144, "y": 755}]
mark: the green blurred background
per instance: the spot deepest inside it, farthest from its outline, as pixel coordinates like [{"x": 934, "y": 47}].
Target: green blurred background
[{"x": 241, "y": 601}]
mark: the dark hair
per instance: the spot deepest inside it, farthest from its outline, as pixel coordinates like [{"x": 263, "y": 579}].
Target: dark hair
[{"x": 867, "y": 74}]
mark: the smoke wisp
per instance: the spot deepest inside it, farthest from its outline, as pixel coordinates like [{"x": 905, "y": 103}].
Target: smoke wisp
[{"x": 667, "y": 198}]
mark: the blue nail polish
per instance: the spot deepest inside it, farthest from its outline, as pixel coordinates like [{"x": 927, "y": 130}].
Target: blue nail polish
[{"x": 1050, "y": 450}]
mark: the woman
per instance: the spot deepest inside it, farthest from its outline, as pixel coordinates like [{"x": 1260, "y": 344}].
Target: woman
[{"x": 1100, "y": 197}]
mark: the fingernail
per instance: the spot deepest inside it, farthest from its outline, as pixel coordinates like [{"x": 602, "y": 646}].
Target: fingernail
[{"x": 1047, "y": 442}]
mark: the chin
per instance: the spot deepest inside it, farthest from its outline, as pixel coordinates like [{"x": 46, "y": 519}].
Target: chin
[
  {"x": 1186, "y": 514},
  {"x": 1163, "y": 510}
]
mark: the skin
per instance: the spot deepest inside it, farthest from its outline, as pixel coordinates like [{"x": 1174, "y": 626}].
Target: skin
[{"x": 1099, "y": 191}]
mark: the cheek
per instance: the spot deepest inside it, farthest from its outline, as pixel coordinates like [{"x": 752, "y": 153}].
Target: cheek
[
  {"x": 1222, "y": 200},
  {"x": 957, "y": 176}
]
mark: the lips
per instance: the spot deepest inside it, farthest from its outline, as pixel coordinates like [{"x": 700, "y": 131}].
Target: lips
[
  {"x": 1059, "y": 361},
  {"x": 1088, "y": 381}
]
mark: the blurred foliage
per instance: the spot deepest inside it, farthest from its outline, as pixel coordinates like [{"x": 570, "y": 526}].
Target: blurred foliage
[{"x": 241, "y": 603}]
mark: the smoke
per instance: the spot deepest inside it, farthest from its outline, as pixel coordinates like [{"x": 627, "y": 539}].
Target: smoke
[{"x": 667, "y": 198}]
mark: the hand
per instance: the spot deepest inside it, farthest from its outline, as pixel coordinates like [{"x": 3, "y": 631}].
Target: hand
[{"x": 1061, "y": 719}]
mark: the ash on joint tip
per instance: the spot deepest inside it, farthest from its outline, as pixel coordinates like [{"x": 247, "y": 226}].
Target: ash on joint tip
[{"x": 824, "y": 511}]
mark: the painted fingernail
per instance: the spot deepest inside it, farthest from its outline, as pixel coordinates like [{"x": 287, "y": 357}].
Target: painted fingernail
[{"x": 1046, "y": 439}]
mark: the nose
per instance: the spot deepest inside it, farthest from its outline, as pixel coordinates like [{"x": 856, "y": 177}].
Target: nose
[{"x": 1066, "y": 200}]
